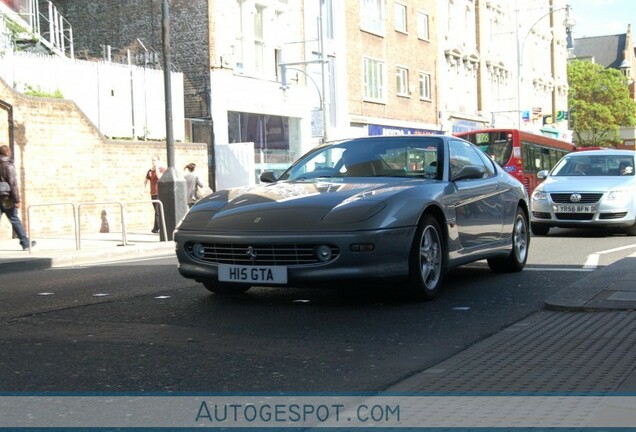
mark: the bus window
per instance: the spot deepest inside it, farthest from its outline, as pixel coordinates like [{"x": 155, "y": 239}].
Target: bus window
[{"x": 522, "y": 154}]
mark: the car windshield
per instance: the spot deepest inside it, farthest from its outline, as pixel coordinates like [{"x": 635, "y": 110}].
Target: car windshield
[
  {"x": 595, "y": 165},
  {"x": 371, "y": 157}
]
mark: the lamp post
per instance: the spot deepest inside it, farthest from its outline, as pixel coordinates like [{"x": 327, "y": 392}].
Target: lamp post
[
  {"x": 568, "y": 23},
  {"x": 171, "y": 187},
  {"x": 323, "y": 63},
  {"x": 284, "y": 86}
]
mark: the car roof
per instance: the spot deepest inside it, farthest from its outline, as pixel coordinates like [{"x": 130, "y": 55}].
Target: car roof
[
  {"x": 388, "y": 138},
  {"x": 608, "y": 152}
]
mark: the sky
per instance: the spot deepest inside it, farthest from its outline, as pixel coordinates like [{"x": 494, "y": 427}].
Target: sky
[{"x": 602, "y": 17}]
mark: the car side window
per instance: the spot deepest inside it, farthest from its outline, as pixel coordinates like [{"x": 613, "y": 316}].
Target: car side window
[
  {"x": 464, "y": 154},
  {"x": 489, "y": 163}
]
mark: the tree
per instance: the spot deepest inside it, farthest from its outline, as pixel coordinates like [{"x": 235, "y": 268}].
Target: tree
[{"x": 599, "y": 103}]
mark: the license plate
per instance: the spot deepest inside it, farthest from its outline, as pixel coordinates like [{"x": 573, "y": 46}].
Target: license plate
[
  {"x": 252, "y": 274},
  {"x": 574, "y": 208}
]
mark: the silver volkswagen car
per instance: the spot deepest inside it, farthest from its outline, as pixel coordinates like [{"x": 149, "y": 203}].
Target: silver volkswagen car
[{"x": 593, "y": 188}]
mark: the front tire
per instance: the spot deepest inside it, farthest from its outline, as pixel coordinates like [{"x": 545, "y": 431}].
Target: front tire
[
  {"x": 427, "y": 260},
  {"x": 516, "y": 261},
  {"x": 225, "y": 289}
]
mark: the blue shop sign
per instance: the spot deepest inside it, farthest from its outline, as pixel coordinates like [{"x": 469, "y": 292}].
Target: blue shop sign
[
  {"x": 466, "y": 126},
  {"x": 375, "y": 130}
]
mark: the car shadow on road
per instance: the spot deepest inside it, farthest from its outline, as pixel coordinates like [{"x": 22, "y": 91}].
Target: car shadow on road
[{"x": 584, "y": 232}]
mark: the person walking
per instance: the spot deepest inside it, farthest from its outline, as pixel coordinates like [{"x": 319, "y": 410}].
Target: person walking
[
  {"x": 10, "y": 196},
  {"x": 152, "y": 176},
  {"x": 192, "y": 183}
]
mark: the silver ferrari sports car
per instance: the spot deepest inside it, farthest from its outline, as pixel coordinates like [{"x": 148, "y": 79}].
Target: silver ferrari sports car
[{"x": 398, "y": 210}]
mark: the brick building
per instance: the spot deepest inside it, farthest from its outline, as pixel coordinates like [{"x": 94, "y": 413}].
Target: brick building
[
  {"x": 108, "y": 29},
  {"x": 391, "y": 67},
  {"x": 504, "y": 64},
  {"x": 63, "y": 160}
]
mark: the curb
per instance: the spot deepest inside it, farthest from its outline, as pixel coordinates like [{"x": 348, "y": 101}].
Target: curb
[
  {"x": 607, "y": 289},
  {"x": 19, "y": 265},
  {"x": 116, "y": 253},
  {"x": 63, "y": 258}
]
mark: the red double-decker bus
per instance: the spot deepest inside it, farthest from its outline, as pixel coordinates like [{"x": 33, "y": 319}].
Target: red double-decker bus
[{"x": 522, "y": 154}]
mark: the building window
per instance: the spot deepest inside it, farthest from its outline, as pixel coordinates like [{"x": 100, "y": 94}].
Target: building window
[
  {"x": 373, "y": 80},
  {"x": 372, "y": 16},
  {"x": 331, "y": 75},
  {"x": 259, "y": 40},
  {"x": 422, "y": 26},
  {"x": 425, "y": 86},
  {"x": 402, "y": 81},
  {"x": 273, "y": 147},
  {"x": 399, "y": 16},
  {"x": 328, "y": 18},
  {"x": 240, "y": 38}
]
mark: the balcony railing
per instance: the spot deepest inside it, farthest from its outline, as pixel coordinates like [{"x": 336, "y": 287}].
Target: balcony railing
[{"x": 38, "y": 23}]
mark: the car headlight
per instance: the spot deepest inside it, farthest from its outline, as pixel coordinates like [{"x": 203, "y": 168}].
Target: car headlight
[
  {"x": 619, "y": 195},
  {"x": 539, "y": 195}
]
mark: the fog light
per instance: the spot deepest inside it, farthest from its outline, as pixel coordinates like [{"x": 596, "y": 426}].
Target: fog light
[
  {"x": 323, "y": 253},
  {"x": 362, "y": 247},
  {"x": 198, "y": 251}
]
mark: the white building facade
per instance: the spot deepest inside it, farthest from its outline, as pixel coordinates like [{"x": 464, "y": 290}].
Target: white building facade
[
  {"x": 248, "y": 104},
  {"x": 506, "y": 67}
]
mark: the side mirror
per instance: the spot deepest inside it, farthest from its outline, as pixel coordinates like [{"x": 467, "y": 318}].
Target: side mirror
[
  {"x": 542, "y": 175},
  {"x": 470, "y": 172},
  {"x": 268, "y": 177}
]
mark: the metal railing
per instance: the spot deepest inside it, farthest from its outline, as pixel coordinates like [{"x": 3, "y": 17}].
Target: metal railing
[
  {"x": 77, "y": 218},
  {"x": 162, "y": 217},
  {"x": 76, "y": 232}
]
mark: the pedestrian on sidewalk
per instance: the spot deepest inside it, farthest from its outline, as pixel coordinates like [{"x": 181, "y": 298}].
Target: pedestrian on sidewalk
[
  {"x": 193, "y": 183},
  {"x": 152, "y": 176},
  {"x": 10, "y": 199}
]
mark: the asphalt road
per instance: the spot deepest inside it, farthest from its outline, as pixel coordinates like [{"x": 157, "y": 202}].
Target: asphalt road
[{"x": 140, "y": 327}]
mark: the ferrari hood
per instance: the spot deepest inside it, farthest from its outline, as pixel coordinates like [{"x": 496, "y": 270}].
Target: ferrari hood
[{"x": 294, "y": 205}]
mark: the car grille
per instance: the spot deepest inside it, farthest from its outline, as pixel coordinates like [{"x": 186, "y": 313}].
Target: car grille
[
  {"x": 273, "y": 254},
  {"x": 586, "y": 198},
  {"x": 574, "y": 216}
]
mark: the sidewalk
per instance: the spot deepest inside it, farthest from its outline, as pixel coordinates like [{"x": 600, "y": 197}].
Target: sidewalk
[
  {"x": 611, "y": 288},
  {"x": 62, "y": 251}
]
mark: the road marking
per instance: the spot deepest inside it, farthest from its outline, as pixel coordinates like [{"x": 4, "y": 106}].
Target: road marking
[
  {"x": 618, "y": 249},
  {"x": 592, "y": 261},
  {"x": 560, "y": 269}
]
